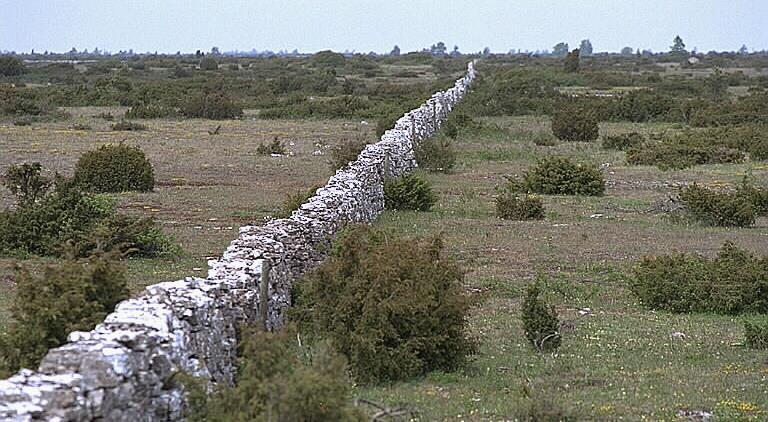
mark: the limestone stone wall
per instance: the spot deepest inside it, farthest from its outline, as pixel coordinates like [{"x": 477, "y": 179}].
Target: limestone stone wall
[{"x": 123, "y": 370}]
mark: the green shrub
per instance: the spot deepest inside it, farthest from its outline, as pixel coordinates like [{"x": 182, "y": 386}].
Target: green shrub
[
  {"x": 25, "y": 183},
  {"x": 70, "y": 295},
  {"x": 575, "y": 125},
  {"x": 409, "y": 192},
  {"x": 393, "y": 306},
  {"x": 274, "y": 147},
  {"x": 209, "y": 63},
  {"x": 758, "y": 196},
  {"x": 540, "y": 321},
  {"x": 642, "y": 106},
  {"x": 387, "y": 122},
  {"x": 65, "y": 214},
  {"x": 512, "y": 206},
  {"x": 105, "y": 115},
  {"x": 436, "y": 153},
  {"x": 543, "y": 139},
  {"x": 150, "y": 111},
  {"x": 624, "y": 141},
  {"x": 560, "y": 176},
  {"x": 756, "y": 332},
  {"x": 115, "y": 168},
  {"x": 213, "y": 106},
  {"x": 128, "y": 126},
  {"x": 278, "y": 380},
  {"x": 23, "y": 121},
  {"x": 293, "y": 202},
  {"x": 724, "y": 209},
  {"x": 11, "y": 66},
  {"x": 346, "y": 151},
  {"x": 457, "y": 122},
  {"x": 734, "y": 282},
  {"x": 668, "y": 155}
]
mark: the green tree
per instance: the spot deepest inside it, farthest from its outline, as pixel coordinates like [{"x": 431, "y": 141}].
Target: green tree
[
  {"x": 585, "y": 49},
  {"x": 560, "y": 49},
  {"x": 572, "y": 61},
  {"x": 678, "y": 46}
]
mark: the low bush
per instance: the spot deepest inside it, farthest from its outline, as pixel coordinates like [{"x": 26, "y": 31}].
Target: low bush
[
  {"x": 280, "y": 380},
  {"x": 756, "y": 332},
  {"x": 293, "y": 202},
  {"x": 393, "y": 306},
  {"x": 543, "y": 139},
  {"x": 150, "y": 111},
  {"x": 26, "y": 183},
  {"x": 208, "y": 63},
  {"x": 575, "y": 125},
  {"x": 69, "y": 295},
  {"x": 11, "y": 66},
  {"x": 512, "y": 206},
  {"x": 727, "y": 144},
  {"x": 105, "y": 115},
  {"x": 540, "y": 321},
  {"x": 723, "y": 209},
  {"x": 756, "y": 195},
  {"x": 624, "y": 141},
  {"x": 667, "y": 155},
  {"x": 457, "y": 122},
  {"x": 436, "y": 153},
  {"x": 128, "y": 126},
  {"x": 212, "y": 106},
  {"x": 115, "y": 168},
  {"x": 274, "y": 147},
  {"x": 387, "y": 122},
  {"x": 346, "y": 151},
  {"x": 642, "y": 106},
  {"x": 22, "y": 121},
  {"x": 44, "y": 222},
  {"x": 560, "y": 176},
  {"x": 409, "y": 192},
  {"x": 734, "y": 282}
]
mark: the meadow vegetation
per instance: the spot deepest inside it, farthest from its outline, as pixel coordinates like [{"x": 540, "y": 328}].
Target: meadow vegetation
[{"x": 543, "y": 277}]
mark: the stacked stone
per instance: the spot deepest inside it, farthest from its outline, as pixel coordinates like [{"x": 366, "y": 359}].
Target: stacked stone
[{"x": 125, "y": 369}]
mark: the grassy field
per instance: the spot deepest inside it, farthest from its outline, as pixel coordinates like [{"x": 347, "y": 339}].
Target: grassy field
[
  {"x": 207, "y": 185},
  {"x": 620, "y": 362}
]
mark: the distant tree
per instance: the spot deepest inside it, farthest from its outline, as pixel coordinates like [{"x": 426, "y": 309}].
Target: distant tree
[
  {"x": 395, "y": 51},
  {"x": 455, "y": 51},
  {"x": 572, "y": 61},
  {"x": 560, "y": 49},
  {"x": 438, "y": 49},
  {"x": 199, "y": 54},
  {"x": 486, "y": 52},
  {"x": 626, "y": 51},
  {"x": 215, "y": 51},
  {"x": 586, "y": 48},
  {"x": 743, "y": 50},
  {"x": 11, "y": 66},
  {"x": 678, "y": 46}
]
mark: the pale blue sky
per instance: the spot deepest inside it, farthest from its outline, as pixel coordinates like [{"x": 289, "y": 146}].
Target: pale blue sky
[{"x": 363, "y": 25}]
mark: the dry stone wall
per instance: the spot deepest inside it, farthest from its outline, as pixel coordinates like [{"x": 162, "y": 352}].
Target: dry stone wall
[{"x": 124, "y": 369}]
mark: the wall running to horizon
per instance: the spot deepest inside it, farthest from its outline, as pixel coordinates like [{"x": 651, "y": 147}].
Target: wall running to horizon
[{"x": 123, "y": 370}]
